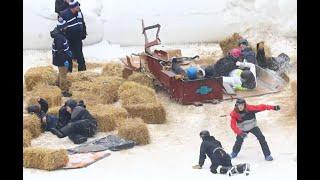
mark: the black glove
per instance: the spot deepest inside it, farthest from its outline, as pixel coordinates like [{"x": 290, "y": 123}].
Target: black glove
[
  {"x": 276, "y": 108},
  {"x": 243, "y": 135}
]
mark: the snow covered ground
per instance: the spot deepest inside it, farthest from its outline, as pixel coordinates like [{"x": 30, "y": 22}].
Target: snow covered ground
[{"x": 174, "y": 148}]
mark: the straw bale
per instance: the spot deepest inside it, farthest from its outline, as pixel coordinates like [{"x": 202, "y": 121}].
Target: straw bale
[
  {"x": 229, "y": 43},
  {"x": 42, "y": 74},
  {"x": 50, "y": 93},
  {"x": 108, "y": 89},
  {"x": 44, "y": 158},
  {"x": 137, "y": 96},
  {"x": 54, "y": 111},
  {"x": 108, "y": 116},
  {"x": 88, "y": 97},
  {"x": 84, "y": 86},
  {"x": 82, "y": 76},
  {"x": 135, "y": 130},
  {"x": 112, "y": 69},
  {"x": 141, "y": 78},
  {"x": 129, "y": 85},
  {"x": 151, "y": 113},
  {"x": 27, "y": 136},
  {"x": 32, "y": 124}
]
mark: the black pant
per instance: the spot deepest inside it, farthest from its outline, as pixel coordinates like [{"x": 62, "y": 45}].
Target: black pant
[
  {"x": 84, "y": 127},
  {"x": 257, "y": 132},
  {"x": 220, "y": 158},
  {"x": 76, "y": 48}
]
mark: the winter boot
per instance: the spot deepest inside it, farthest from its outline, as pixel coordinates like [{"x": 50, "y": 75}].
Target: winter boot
[
  {"x": 233, "y": 155},
  {"x": 57, "y": 133},
  {"x": 269, "y": 158}
]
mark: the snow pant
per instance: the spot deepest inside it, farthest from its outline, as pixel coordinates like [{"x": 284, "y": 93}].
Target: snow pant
[
  {"x": 76, "y": 48},
  {"x": 79, "y": 129},
  {"x": 51, "y": 122},
  {"x": 220, "y": 158},
  {"x": 62, "y": 79},
  {"x": 257, "y": 132}
]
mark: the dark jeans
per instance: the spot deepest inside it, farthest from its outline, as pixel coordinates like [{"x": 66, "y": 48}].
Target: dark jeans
[
  {"x": 76, "y": 48},
  {"x": 84, "y": 127},
  {"x": 257, "y": 132}
]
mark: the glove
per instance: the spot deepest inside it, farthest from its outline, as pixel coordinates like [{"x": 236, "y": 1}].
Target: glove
[
  {"x": 276, "y": 108},
  {"x": 66, "y": 64},
  {"x": 243, "y": 135},
  {"x": 196, "y": 167}
]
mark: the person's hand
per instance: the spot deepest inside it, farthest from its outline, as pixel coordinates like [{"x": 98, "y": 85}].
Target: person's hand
[
  {"x": 243, "y": 135},
  {"x": 238, "y": 63},
  {"x": 196, "y": 167},
  {"x": 276, "y": 108}
]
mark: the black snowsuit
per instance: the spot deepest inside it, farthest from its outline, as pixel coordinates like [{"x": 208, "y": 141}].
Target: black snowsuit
[
  {"x": 222, "y": 67},
  {"x": 249, "y": 55},
  {"x": 64, "y": 117},
  {"x": 60, "y": 48},
  {"x": 81, "y": 125},
  {"x": 220, "y": 160}
]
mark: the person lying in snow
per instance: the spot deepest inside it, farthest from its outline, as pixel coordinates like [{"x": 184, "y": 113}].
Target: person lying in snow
[
  {"x": 220, "y": 160},
  {"x": 225, "y": 65},
  {"x": 248, "y": 54},
  {"x": 243, "y": 78},
  {"x": 243, "y": 121},
  {"x": 81, "y": 126}
]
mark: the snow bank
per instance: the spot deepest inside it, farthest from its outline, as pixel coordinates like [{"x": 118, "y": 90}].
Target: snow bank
[{"x": 182, "y": 21}]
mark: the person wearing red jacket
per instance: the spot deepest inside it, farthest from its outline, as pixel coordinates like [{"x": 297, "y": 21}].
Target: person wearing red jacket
[{"x": 243, "y": 121}]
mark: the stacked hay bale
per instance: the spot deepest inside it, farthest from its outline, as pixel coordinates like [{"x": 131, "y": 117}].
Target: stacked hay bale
[
  {"x": 86, "y": 96},
  {"x": 112, "y": 69},
  {"x": 229, "y": 43},
  {"x": 50, "y": 93},
  {"x": 140, "y": 101},
  {"x": 135, "y": 130},
  {"x": 82, "y": 76},
  {"x": 36, "y": 75},
  {"x": 54, "y": 110},
  {"x": 44, "y": 158},
  {"x": 108, "y": 117},
  {"x": 107, "y": 88},
  {"x": 141, "y": 78},
  {"x": 27, "y": 136},
  {"x": 32, "y": 124}
]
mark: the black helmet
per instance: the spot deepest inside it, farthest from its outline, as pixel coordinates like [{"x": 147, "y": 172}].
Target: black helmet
[
  {"x": 204, "y": 133},
  {"x": 240, "y": 101},
  {"x": 243, "y": 41},
  {"x": 71, "y": 103}
]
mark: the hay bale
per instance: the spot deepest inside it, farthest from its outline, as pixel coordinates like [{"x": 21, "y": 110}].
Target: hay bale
[
  {"x": 36, "y": 75},
  {"x": 129, "y": 85},
  {"x": 84, "y": 86},
  {"x": 50, "y": 93},
  {"x": 112, "y": 69},
  {"x": 27, "y": 136},
  {"x": 108, "y": 116},
  {"x": 229, "y": 43},
  {"x": 151, "y": 113},
  {"x": 54, "y": 111},
  {"x": 135, "y": 130},
  {"x": 82, "y": 76},
  {"x": 108, "y": 89},
  {"x": 141, "y": 78},
  {"x": 44, "y": 158},
  {"x": 88, "y": 97},
  {"x": 32, "y": 124},
  {"x": 91, "y": 65},
  {"x": 137, "y": 96}
]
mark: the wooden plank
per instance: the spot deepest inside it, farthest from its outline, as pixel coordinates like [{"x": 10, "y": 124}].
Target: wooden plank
[{"x": 229, "y": 89}]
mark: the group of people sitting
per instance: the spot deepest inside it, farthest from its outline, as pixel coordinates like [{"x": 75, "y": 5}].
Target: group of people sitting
[
  {"x": 238, "y": 68},
  {"x": 73, "y": 120}
]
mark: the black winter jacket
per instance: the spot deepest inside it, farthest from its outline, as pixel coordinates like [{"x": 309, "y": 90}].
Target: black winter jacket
[
  {"x": 249, "y": 55},
  {"x": 81, "y": 113},
  {"x": 222, "y": 67},
  {"x": 64, "y": 117},
  {"x": 208, "y": 145},
  {"x": 60, "y": 48}
]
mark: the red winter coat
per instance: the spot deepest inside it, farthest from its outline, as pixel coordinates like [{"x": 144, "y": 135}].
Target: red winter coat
[{"x": 250, "y": 112}]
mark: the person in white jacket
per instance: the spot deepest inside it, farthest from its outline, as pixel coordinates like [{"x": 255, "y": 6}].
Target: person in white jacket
[{"x": 243, "y": 78}]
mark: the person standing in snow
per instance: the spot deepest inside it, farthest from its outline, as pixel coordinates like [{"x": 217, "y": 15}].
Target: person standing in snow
[
  {"x": 61, "y": 55},
  {"x": 220, "y": 160},
  {"x": 248, "y": 54},
  {"x": 243, "y": 121},
  {"x": 76, "y": 32},
  {"x": 243, "y": 78}
]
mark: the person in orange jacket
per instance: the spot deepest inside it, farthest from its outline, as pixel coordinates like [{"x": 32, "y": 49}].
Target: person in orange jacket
[{"x": 243, "y": 121}]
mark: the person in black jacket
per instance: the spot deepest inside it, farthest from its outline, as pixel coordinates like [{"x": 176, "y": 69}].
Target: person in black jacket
[
  {"x": 220, "y": 160},
  {"x": 248, "y": 54},
  {"x": 61, "y": 55},
  {"x": 76, "y": 32},
  {"x": 81, "y": 126}
]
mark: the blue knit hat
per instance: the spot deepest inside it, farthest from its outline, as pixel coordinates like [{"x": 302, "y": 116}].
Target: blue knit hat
[
  {"x": 61, "y": 23},
  {"x": 73, "y": 3}
]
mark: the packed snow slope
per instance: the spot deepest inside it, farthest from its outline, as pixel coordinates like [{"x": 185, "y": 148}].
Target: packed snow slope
[{"x": 119, "y": 21}]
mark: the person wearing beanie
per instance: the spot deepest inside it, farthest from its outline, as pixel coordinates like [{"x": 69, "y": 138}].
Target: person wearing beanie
[
  {"x": 76, "y": 32},
  {"x": 243, "y": 121},
  {"x": 61, "y": 55},
  {"x": 248, "y": 54},
  {"x": 220, "y": 160},
  {"x": 81, "y": 126}
]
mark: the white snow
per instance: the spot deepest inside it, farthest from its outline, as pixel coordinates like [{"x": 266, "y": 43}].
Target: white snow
[{"x": 113, "y": 25}]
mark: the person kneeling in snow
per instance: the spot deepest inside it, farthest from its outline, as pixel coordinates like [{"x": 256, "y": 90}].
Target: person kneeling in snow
[
  {"x": 81, "y": 126},
  {"x": 243, "y": 121},
  {"x": 220, "y": 160},
  {"x": 242, "y": 78}
]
